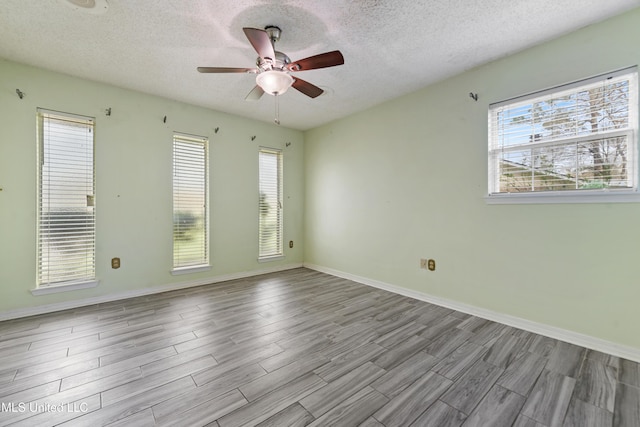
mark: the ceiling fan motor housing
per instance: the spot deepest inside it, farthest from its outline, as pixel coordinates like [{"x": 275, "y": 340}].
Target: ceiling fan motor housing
[{"x": 280, "y": 62}]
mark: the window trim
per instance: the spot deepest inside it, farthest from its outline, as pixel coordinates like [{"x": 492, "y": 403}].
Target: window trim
[
  {"x": 567, "y": 197},
  {"x": 87, "y": 281},
  {"x": 606, "y": 195},
  {"x": 206, "y": 265},
  {"x": 280, "y": 157},
  {"x": 65, "y": 287},
  {"x": 179, "y": 271}
]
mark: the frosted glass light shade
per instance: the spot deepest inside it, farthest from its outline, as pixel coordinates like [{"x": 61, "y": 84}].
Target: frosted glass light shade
[{"x": 274, "y": 82}]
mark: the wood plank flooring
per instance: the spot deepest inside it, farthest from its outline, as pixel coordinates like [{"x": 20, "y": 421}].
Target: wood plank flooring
[{"x": 300, "y": 348}]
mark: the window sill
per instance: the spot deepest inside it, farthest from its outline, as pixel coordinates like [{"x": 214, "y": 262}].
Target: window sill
[
  {"x": 271, "y": 258},
  {"x": 567, "y": 198},
  {"x": 188, "y": 270},
  {"x": 64, "y": 287}
]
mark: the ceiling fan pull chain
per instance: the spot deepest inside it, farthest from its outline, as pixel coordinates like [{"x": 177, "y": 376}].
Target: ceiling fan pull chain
[{"x": 277, "y": 119}]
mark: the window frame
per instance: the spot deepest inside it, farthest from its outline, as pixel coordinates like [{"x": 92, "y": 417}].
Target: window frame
[
  {"x": 263, "y": 254},
  {"x": 603, "y": 195},
  {"x": 89, "y": 279},
  {"x": 204, "y": 263}
]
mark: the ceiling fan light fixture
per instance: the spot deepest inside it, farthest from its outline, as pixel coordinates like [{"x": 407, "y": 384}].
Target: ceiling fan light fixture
[{"x": 274, "y": 82}]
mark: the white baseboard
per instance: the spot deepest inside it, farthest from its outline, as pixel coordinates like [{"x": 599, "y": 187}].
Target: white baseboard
[
  {"x": 576, "y": 338},
  {"x": 50, "y": 308}
]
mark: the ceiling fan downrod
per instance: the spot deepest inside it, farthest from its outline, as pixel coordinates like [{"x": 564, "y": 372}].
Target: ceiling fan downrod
[{"x": 274, "y": 33}]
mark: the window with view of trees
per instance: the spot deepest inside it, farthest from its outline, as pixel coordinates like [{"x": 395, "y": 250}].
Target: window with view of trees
[
  {"x": 66, "y": 189},
  {"x": 270, "y": 203},
  {"x": 575, "y": 138},
  {"x": 190, "y": 202}
]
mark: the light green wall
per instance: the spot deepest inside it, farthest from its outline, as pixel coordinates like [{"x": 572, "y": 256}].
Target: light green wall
[
  {"x": 406, "y": 180},
  {"x": 382, "y": 188},
  {"x": 133, "y": 178}
]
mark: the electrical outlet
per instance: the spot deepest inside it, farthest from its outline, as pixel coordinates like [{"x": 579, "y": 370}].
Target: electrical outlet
[
  {"x": 423, "y": 263},
  {"x": 431, "y": 264},
  {"x": 290, "y": 243},
  {"x": 115, "y": 262}
]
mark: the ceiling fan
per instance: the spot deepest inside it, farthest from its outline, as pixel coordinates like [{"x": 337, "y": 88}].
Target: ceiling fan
[{"x": 273, "y": 68}]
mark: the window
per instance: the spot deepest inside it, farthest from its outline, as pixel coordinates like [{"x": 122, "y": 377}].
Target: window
[
  {"x": 270, "y": 204},
  {"x": 66, "y": 191},
  {"x": 190, "y": 202},
  {"x": 574, "y": 140}
]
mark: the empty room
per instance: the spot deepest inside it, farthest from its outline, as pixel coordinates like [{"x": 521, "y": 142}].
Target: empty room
[{"x": 292, "y": 213}]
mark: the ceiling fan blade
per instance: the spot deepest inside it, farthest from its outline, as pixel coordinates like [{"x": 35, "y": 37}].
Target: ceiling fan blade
[
  {"x": 255, "y": 94},
  {"x": 323, "y": 60},
  {"x": 261, "y": 42},
  {"x": 226, "y": 70},
  {"x": 307, "y": 88}
]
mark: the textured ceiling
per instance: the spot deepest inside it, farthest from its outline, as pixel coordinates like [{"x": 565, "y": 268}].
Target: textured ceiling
[{"x": 390, "y": 47}]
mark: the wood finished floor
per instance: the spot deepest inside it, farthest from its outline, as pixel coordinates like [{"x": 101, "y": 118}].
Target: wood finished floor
[{"x": 300, "y": 348}]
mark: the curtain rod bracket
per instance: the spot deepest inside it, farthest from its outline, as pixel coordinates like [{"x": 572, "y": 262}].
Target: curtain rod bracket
[
  {"x": 474, "y": 96},
  {"x": 253, "y": 138},
  {"x": 164, "y": 119},
  {"x": 20, "y": 93},
  {"x": 107, "y": 111}
]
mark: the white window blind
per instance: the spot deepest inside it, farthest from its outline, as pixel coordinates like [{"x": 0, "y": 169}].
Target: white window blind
[
  {"x": 66, "y": 191},
  {"x": 270, "y": 203},
  {"x": 190, "y": 201},
  {"x": 577, "y": 138}
]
